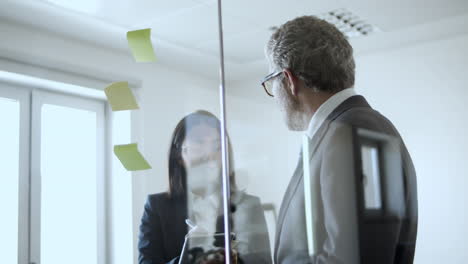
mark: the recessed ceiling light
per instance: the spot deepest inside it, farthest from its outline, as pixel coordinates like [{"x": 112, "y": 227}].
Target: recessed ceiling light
[{"x": 350, "y": 24}]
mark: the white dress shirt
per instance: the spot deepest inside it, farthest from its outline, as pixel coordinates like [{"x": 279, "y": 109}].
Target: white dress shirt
[
  {"x": 204, "y": 211},
  {"x": 327, "y": 108},
  {"x": 310, "y": 188}
]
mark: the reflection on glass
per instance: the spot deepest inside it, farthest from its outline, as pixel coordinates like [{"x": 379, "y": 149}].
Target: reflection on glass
[
  {"x": 371, "y": 177},
  {"x": 68, "y": 185},
  {"x": 9, "y": 157},
  {"x": 270, "y": 217},
  {"x": 189, "y": 219}
]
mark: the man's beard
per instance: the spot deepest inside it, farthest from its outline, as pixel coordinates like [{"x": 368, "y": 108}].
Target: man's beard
[{"x": 291, "y": 109}]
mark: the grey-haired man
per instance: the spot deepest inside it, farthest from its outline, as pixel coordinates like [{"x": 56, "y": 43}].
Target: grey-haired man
[{"x": 312, "y": 79}]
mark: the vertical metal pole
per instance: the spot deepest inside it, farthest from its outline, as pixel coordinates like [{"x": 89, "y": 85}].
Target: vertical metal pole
[{"x": 225, "y": 160}]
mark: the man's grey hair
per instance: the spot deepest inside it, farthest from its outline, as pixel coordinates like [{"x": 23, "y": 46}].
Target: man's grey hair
[{"x": 315, "y": 51}]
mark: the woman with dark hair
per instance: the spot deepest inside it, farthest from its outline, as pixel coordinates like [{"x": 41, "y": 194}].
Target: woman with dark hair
[{"x": 195, "y": 197}]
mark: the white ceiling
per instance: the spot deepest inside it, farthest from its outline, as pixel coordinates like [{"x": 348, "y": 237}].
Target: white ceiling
[{"x": 185, "y": 31}]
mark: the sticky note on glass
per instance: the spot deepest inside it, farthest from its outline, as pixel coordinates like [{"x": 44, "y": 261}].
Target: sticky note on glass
[
  {"x": 140, "y": 44},
  {"x": 120, "y": 96},
  {"x": 130, "y": 157}
]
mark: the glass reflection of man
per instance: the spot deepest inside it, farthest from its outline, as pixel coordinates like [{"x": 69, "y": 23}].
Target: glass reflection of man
[{"x": 312, "y": 79}]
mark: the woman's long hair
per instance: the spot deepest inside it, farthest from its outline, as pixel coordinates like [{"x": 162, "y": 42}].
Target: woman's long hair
[{"x": 177, "y": 171}]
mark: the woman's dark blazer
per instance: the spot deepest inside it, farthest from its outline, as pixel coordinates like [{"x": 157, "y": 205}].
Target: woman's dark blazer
[{"x": 163, "y": 228}]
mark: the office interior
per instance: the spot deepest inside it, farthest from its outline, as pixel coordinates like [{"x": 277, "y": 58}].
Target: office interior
[{"x": 64, "y": 194}]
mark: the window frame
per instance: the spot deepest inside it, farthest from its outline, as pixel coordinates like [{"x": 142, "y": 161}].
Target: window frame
[
  {"x": 23, "y": 97},
  {"x": 39, "y": 98},
  {"x": 30, "y": 98}
]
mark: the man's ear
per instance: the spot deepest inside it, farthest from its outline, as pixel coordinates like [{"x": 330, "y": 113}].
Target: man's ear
[{"x": 293, "y": 82}]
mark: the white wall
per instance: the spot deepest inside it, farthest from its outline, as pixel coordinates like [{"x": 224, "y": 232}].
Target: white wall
[
  {"x": 423, "y": 90},
  {"x": 265, "y": 152}
]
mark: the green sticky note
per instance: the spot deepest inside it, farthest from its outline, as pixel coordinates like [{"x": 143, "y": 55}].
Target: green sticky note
[
  {"x": 130, "y": 157},
  {"x": 120, "y": 96},
  {"x": 140, "y": 44}
]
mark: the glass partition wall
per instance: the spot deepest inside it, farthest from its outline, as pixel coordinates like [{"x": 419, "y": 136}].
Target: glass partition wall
[{"x": 189, "y": 162}]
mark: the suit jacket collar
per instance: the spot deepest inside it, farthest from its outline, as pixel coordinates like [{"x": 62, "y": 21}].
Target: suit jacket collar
[{"x": 352, "y": 102}]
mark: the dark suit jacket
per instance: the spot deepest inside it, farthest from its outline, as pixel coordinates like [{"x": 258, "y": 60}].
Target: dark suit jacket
[
  {"x": 342, "y": 232},
  {"x": 163, "y": 228}
]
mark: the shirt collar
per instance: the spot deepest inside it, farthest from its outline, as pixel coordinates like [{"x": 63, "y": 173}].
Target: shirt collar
[{"x": 326, "y": 109}]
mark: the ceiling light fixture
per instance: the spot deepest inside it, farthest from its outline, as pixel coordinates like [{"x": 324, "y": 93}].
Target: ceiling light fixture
[{"x": 350, "y": 24}]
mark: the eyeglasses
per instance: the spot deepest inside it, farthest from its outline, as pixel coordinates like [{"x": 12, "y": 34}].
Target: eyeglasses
[{"x": 268, "y": 84}]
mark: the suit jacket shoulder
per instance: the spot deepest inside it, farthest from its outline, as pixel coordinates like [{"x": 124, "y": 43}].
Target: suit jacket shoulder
[{"x": 162, "y": 228}]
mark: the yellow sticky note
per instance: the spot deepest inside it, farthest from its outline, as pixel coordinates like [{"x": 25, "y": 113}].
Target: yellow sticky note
[
  {"x": 130, "y": 157},
  {"x": 140, "y": 44},
  {"x": 120, "y": 96}
]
